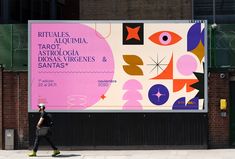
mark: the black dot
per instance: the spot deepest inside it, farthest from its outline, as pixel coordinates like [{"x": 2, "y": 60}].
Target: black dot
[{"x": 165, "y": 38}]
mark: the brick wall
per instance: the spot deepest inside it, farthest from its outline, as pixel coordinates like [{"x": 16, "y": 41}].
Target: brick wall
[
  {"x": 9, "y": 102},
  {"x": 71, "y": 10},
  {"x": 15, "y": 114},
  {"x": 218, "y": 125},
  {"x": 135, "y": 9}
]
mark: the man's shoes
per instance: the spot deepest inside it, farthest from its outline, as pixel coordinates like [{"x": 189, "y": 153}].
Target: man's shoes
[
  {"x": 33, "y": 154},
  {"x": 55, "y": 153}
]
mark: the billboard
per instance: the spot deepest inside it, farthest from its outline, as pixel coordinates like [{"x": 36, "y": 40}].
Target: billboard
[{"x": 118, "y": 66}]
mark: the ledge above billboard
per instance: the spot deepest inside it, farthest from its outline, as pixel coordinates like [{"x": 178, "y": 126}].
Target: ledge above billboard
[{"x": 118, "y": 66}]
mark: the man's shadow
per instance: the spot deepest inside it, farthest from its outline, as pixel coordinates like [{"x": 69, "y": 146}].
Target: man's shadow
[
  {"x": 67, "y": 155},
  {"x": 63, "y": 155}
]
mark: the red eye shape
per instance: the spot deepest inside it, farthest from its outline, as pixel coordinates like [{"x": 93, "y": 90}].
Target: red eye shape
[{"x": 165, "y": 38}]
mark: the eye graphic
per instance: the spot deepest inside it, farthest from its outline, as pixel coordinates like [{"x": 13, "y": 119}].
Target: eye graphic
[{"x": 165, "y": 38}]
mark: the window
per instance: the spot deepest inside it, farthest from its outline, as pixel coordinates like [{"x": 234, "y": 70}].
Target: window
[{"x": 224, "y": 11}]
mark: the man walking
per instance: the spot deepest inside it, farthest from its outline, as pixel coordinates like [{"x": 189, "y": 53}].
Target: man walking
[{"x": 43, "y": 130}]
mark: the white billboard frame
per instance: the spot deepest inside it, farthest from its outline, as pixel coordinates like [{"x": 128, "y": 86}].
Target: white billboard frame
[{"x": 205, "y": 110}]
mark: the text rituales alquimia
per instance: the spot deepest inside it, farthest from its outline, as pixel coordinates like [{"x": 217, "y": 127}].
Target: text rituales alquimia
[{"x": 53, "y": 56}]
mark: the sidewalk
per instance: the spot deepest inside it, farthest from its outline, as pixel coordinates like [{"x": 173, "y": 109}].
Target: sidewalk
[{"x": 120, "y": 154}]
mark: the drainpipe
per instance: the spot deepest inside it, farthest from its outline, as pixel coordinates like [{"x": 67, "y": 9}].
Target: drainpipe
[{"x": 20, "y": 135}]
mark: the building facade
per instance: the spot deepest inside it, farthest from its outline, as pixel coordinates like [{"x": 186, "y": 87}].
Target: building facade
[{"x": 119, "y": 130}]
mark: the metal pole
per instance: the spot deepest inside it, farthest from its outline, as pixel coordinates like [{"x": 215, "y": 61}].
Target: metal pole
[
  {"x": 213, "y": 11},
  {"x": 1, "y": 108},
  {"x": 31, "y": 9},
  {"x": 12, "y": 53},
  {"x": 21, "y": 11},
  {"x": 213, "y": 38},
  {"x": 192, "y": 9},
  {"x": 210, "y": 47},
  {"x": 53, "y": 10},
  {"x": 5, "y": 13},
  {"x": 213, "y": 55}
]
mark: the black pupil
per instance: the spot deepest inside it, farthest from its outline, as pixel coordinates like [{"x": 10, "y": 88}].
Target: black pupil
[{"x": 165, "y": 38}]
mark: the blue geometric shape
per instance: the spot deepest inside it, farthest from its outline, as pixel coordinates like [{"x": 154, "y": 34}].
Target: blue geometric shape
[
  {"x": 179, "y": 103},
  {"x": 194, "y": 36},
  {"x": 191, "y": 105},
  {"x": 158, "y": 94}
]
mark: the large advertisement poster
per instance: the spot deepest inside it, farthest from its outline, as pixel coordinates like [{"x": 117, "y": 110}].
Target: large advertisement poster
[{"x": 118, "y": 66}]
